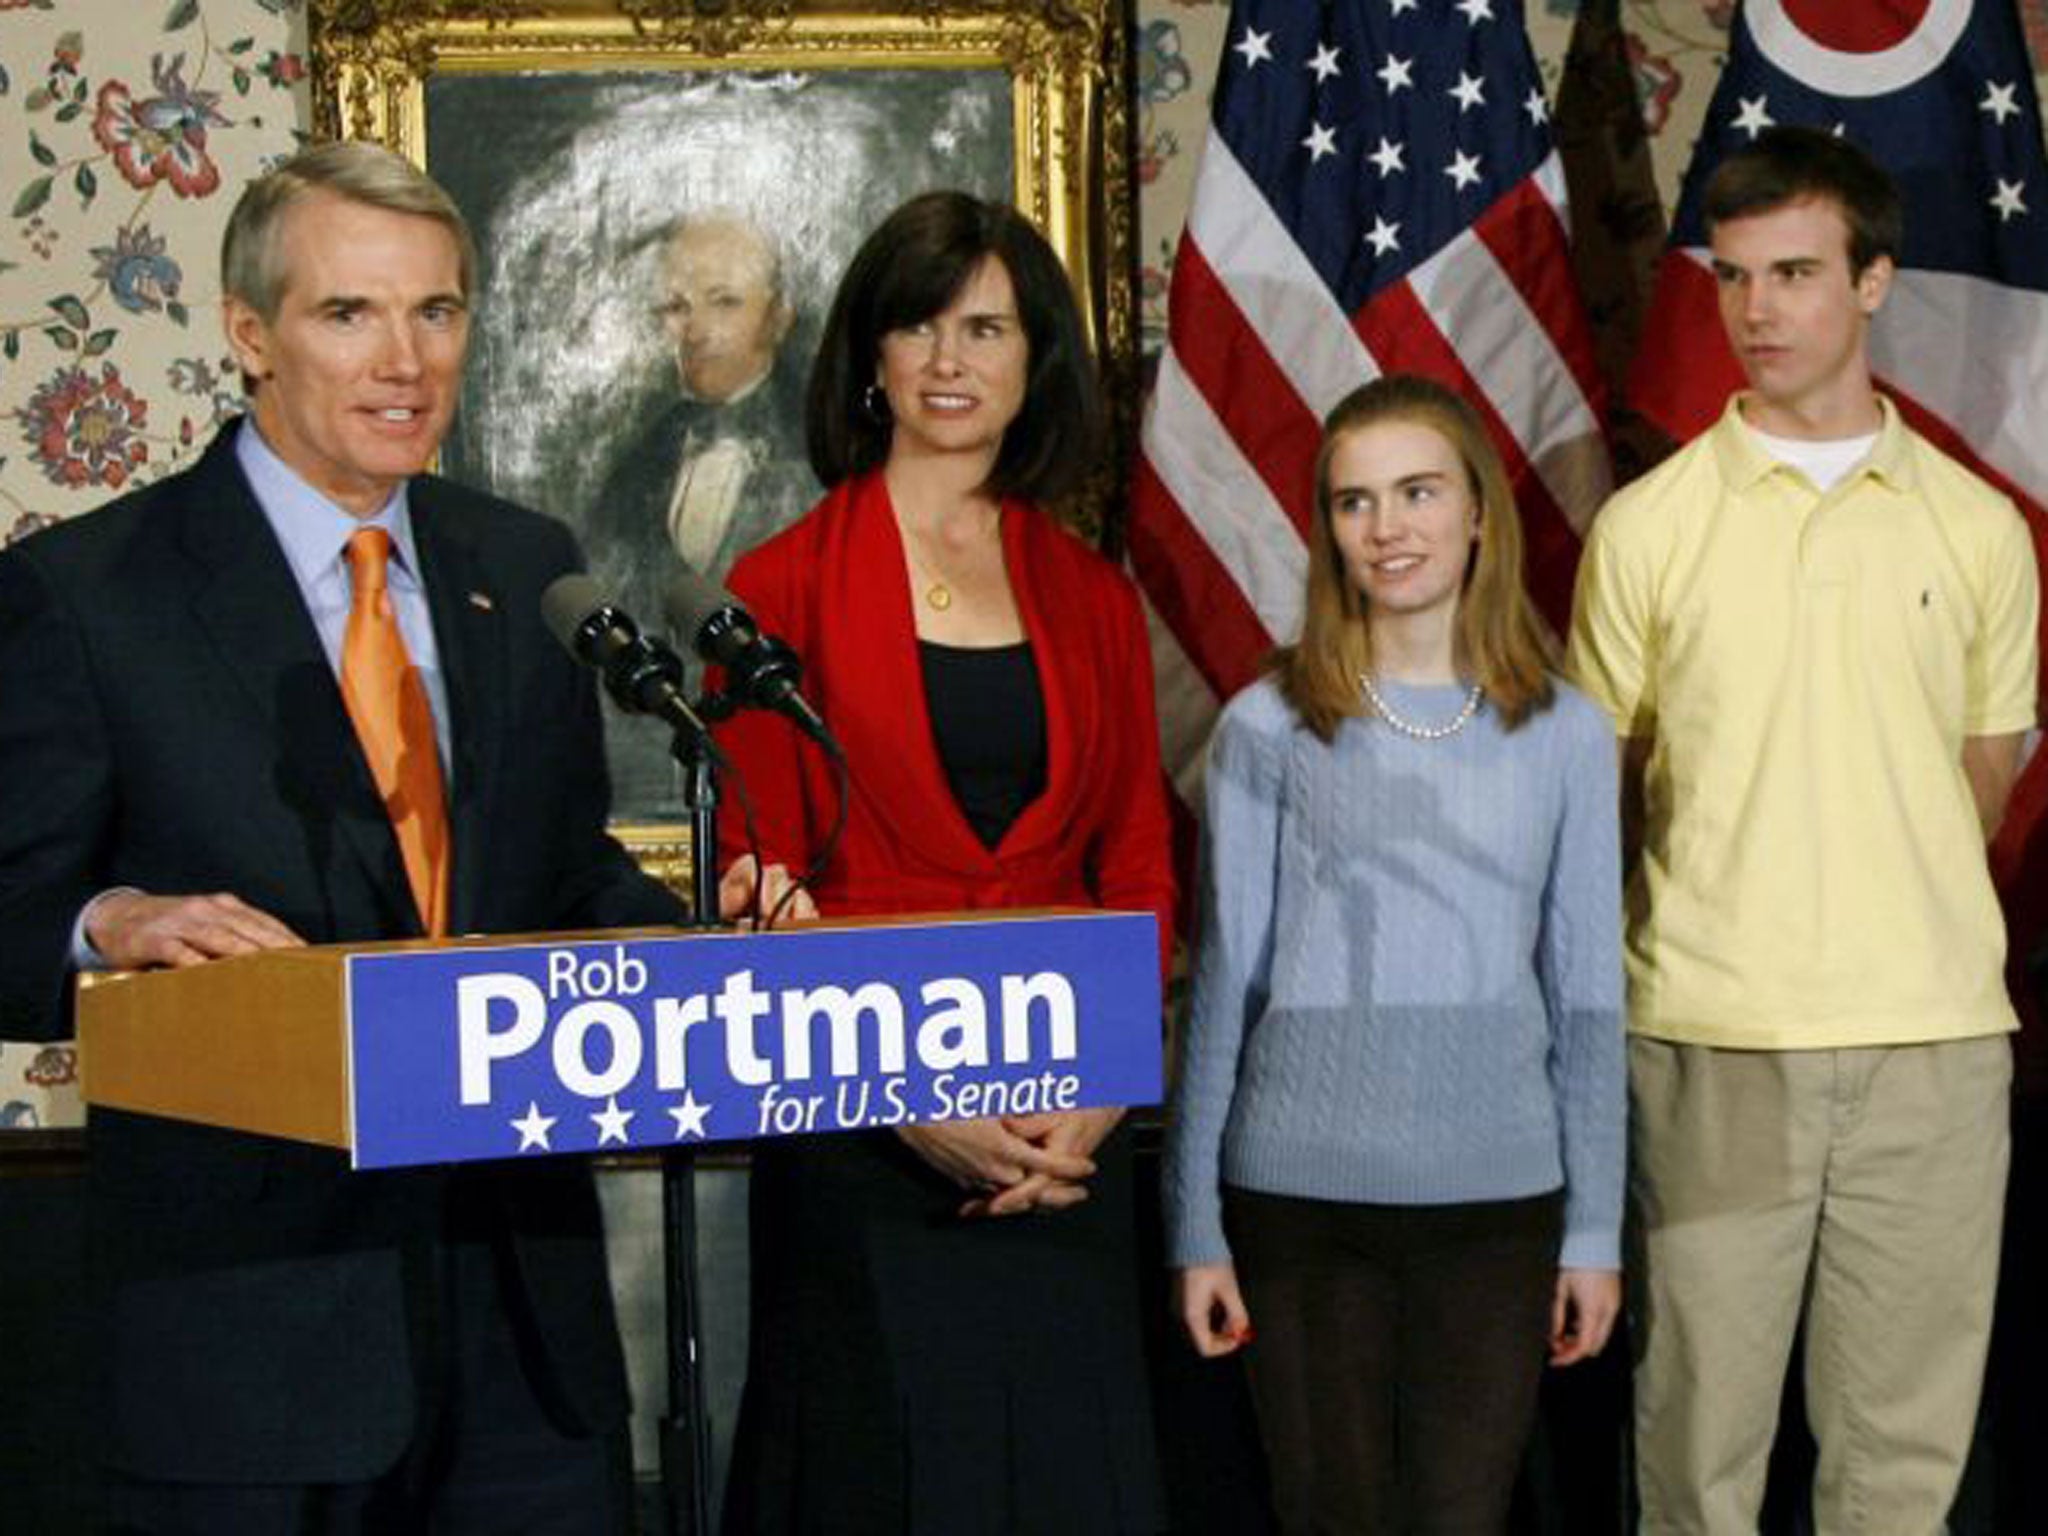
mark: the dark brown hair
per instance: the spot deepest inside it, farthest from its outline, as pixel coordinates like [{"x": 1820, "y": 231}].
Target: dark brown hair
[
  {"x": 1790, "y": 165},
  {"x": 912, "y": 267}
]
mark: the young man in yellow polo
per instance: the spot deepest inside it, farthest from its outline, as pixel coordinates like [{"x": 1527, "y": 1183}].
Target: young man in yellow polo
[{"x": 1816, "y": 636}]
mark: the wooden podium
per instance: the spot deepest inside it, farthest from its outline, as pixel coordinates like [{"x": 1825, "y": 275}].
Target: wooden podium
[
  {"x": 405, "y": 1054},
  {"x": 419, "y": 1052},
  {"x": 251, "y": 1043}
]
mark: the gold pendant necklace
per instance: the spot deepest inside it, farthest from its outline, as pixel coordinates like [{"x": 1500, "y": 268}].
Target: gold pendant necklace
[{"x": 938, "y": 590}]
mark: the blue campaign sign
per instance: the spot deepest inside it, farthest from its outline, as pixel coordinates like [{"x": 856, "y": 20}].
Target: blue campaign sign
[{"x": 609, "y": 1045}]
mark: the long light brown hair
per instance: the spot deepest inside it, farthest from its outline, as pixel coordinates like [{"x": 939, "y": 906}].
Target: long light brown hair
[{"x": 1499, "y": 641}]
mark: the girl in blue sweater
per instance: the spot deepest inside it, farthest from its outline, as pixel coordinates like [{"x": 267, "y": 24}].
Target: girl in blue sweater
[{"x": 1398, "y": 1141}]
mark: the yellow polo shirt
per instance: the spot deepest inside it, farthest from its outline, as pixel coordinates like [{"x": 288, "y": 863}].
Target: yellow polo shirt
[{"x": 1807, "y": 666}]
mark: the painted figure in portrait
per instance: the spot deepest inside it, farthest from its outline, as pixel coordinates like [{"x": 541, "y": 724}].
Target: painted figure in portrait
[
  {"x": 656, "y": 246},
  {"x": 714, "y": 466}
]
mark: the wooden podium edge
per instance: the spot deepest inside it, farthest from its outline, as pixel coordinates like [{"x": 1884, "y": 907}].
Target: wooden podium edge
[
  {"x": 260, "y": 1043},
  {"x": 251, "y": 1043}
]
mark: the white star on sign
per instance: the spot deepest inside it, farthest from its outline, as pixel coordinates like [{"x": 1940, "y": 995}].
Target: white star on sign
[
  {"x": 1383, "y": 237},
  {"x": 1321, "y": 141},
  {"x": 689, "y": 1116},
  {"x": 1469, "y": 91},
  {"x": 1387, "y": 158},
  {"x": 611, "y": 1122},
  {"x": 1463, "y": 169},
  {"x": 1394, "y": 73},
  {"x": 1256, "y": 47},
  {"x": 1752, "y": 119},
  {"x": 1998, "y": 101},
  {"x": 1324, "y": 64},
  {"x": 533, "y": 1128},
  {"x": 2007, "y": 199}
]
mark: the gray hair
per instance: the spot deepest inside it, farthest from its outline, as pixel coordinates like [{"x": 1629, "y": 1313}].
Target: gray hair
[
  {"x": 764, "y": 241},
  {"x": 251, "y": 260}
]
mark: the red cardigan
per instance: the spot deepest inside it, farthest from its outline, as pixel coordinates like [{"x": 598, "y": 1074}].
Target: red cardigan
[{"x": 834, "y": 587}]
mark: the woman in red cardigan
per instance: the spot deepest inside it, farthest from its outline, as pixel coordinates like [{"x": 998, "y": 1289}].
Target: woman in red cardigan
[{"x": 945, "y": 1322}]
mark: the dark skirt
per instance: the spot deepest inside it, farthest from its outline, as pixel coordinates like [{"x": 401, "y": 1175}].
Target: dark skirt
[{"x": 913, "y": 1372}]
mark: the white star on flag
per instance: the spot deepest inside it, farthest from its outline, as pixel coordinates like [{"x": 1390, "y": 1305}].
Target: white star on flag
[
  {"x": 1463, "y": 169},
  {"x": 1383, "y": 237},
  {"x": 1752, "y": 118},
  {"x": 2007, "y": 199},
  {"x": 1537, "y": 108},
  {"x": 1395, "y": 73},
  {"x": 1998, "y": 101},
  {"x": 1324, "y": 64},
  {"x": 1255, "y": 47},
  {"x": 533, "y": 1128},
  {"x": 611, "y": 1122},
  {"x": 1387, "y": 158},
  {"x": 689, "y": 1116},
  {"x": 1475, "y": 11},
  {"x": 1321, "y": 141},
  {"x": 1468, "y": 92}
]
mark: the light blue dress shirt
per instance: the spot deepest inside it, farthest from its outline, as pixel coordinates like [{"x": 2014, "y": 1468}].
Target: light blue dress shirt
[{"x": 315, "y": 534}]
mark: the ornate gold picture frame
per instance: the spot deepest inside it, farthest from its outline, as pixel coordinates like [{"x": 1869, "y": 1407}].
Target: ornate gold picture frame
[{"x": 578, "y": 136}]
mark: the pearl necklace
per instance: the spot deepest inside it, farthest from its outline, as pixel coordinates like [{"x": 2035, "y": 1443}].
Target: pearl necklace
[{"x": 1415, "y": 732}]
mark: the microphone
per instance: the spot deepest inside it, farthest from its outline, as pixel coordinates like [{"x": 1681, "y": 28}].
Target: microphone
[
  {"x": 763, "y": 670},
  {"x": 640, "y": 672}
]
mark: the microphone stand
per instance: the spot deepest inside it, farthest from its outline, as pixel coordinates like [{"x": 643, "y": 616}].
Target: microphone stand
[
  {"x": 686, "y": 1436},
  {"x": 686, "y": 1432}
]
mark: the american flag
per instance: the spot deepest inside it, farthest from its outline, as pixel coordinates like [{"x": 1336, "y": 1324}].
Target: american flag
[
  {"x": 1378, "y": 193},
  {"x": 1942, "y": 94}
]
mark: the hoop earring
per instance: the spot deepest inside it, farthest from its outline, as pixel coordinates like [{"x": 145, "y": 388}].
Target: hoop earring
[{"x": 875, "y": 402}]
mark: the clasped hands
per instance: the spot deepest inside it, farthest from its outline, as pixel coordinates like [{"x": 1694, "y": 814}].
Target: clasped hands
[
  {"x": 1016, "y": 1163},
  {"x": 1006, "y": 1165}
]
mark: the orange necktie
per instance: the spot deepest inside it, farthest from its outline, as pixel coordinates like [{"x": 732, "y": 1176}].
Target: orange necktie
[{"x": 388, "y": 703}]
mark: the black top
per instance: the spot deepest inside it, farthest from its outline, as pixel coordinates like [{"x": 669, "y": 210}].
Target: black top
[
  {"x": 911, "y": 1371},
  {"x": 988, "y": 722}
]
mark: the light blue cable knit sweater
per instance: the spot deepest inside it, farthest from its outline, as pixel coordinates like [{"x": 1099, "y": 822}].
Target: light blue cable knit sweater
[{"x": 1408, "y": 984}]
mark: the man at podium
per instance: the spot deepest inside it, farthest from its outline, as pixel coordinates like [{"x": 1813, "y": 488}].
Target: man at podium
[{"x": 301, "y": 692}]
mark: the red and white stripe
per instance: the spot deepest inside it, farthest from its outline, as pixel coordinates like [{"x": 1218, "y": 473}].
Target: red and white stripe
[{"x": 1259, "y": 350}]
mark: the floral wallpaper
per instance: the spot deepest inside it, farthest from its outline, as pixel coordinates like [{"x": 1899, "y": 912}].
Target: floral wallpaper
[
  {"x": 125, "y": 129},
  {"x": 127, "y": 125}
]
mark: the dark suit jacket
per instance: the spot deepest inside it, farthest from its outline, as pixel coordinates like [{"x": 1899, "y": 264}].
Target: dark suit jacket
[
  {"x": 168, "y": 720},
  {"x": 625, "y": 533},
  {"x": 628, "y": 522}
]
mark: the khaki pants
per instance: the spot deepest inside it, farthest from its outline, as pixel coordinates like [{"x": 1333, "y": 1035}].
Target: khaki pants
[{"x": 1862, "y": 1187}]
